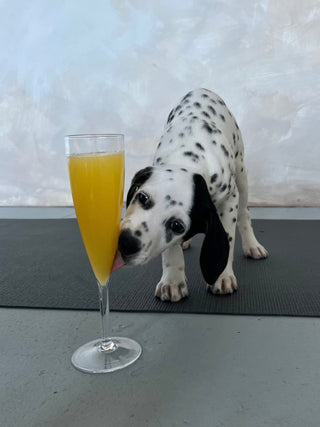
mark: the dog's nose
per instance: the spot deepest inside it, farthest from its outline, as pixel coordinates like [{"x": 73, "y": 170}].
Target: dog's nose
[{"x": 128, "y": 244}]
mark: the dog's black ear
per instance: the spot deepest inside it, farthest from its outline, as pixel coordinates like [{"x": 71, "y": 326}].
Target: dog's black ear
[
  {"x": 140, "y": 178},
  {"x": 204, "y": 219}
]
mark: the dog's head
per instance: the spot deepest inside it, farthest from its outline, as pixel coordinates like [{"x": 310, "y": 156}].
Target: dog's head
[{"x": 166, "y": 207}]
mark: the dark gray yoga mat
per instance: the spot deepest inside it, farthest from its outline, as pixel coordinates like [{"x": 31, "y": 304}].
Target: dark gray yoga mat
[{"x": 43, "y": 264}]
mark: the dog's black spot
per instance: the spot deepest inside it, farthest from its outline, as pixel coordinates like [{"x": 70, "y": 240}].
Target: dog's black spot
[
  {"x": 171, "y": 116},
  {"x": 221, "y": 102},
  {"x": 234, "y": 138},
  {"x": 210, "y": 188},
  {"x": 237, "y": 154},
  {"x": 197, "y": 104},
  {"x": 207, "y": 127},
  {"x": 223, "y": 188},
  {"x": 212, "y": 100},
  {"x": 159, "y": 145},
  {"x": 204, "y": 113},
  {"x": 237, "y": 206},
  {"x": 213, "y": 178},
  {"x": 187, "y": 96},
  {"x": 169, "y": 129},
  {"x": 216, "y": 131},
  {"x": 168, "y": 197},
  {"x": 158, "y": 160},
  {"x": 222, "y": 117},
  {"x": 219, "y": 184},
  {"x": 181, "y": 134},
  {"x": 234, "y": 219},
  {"x": 221, "y": 214},
  {"x": 222, "y": 170},
  {"x": 183, "y": 169},
  {"x": 138, "y": 233},
  {"x": 169, "y": 170},
  {"x": 180, "y": 112},
  {"x": 145, "y": 226},
  {"x": 194, "y": 157},
  {"x": 241, "y": 169},
  {"x": 225, "y": 151},
  {"x": 230, "y": 239},
  {"x": 170, "y": 140},
  {"x": 214, "y": 142},
  {"x": 173, "y": 202},
  {"x": 236, "y": 125},
  {"x": 213, "y": 111},
  {"x": 178, "y": 108},
  {"x": 180, "y": 204},
  {"x": 204, "y": 95},
  {"x": 198, "y": 145}
]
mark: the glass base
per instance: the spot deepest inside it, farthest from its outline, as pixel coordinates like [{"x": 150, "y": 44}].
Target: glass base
[{"x": 92, "y": 359}]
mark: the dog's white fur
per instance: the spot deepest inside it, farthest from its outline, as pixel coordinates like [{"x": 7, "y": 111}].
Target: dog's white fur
[{"x": 200, "y": 137}]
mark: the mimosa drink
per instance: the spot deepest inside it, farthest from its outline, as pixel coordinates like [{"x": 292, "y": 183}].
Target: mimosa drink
[
  {"x": 97, "y": 190},
  {"x": 96, "y": 170}
]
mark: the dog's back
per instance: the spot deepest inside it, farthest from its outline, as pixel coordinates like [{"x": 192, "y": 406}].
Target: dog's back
[{"x": 201, "y": 134}]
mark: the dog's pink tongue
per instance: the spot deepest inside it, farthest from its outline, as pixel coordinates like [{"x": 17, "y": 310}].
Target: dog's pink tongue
[{"x": 117, "y": 262}]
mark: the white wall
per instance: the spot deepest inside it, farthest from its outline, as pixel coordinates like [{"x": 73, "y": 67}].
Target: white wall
[{"x": 119, "y": 66}]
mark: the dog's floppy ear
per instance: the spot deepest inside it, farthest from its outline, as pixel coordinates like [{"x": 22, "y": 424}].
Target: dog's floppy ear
[
  {"x": 140, "y": 178},
  {"x": 204, "y": 219}
]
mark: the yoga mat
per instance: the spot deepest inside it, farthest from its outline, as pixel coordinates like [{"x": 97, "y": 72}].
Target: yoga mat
[{"x": 43, "y": 264}]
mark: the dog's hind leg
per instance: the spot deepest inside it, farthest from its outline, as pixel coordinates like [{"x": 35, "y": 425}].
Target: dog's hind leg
[{"x": 251, "y": 247}]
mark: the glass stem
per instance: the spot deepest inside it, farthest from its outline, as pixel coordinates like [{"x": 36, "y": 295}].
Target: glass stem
[{"x": 106, "y": 344}]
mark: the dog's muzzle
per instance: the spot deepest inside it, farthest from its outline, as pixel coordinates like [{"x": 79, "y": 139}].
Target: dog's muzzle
[{"x": 128, "y": 245}]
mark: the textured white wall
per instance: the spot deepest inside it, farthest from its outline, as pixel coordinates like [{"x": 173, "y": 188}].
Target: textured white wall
[{"x": 119, "y": 66}]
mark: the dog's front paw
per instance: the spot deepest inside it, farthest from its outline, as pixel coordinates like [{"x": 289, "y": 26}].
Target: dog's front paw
[
  {"x": 225, "y": 284},
  {"x": 173, "y": 292}
]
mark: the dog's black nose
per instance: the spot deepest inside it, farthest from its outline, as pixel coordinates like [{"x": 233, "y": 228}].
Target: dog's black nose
[{"x": 128, "y": 244}]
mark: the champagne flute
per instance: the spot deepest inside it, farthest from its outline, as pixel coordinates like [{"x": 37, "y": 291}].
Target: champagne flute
[{"x": 96, "y": 172}]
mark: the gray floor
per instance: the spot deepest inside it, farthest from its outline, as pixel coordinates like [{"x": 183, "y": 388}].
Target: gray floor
[{"x": 195, "y": 370}]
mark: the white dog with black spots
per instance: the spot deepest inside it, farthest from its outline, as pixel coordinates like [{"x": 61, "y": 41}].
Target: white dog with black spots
[{"x": 197, "y": 184}]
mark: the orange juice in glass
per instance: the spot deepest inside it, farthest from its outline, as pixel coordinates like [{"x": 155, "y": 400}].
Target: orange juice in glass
[
  {"x": 96, "y": 172},
  {"x": 97, "y": 191}
]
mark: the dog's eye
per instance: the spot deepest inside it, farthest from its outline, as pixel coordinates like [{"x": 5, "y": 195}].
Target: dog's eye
[
  {"x": 143, "y": 198},
  {"x": 176, "y": 226}
]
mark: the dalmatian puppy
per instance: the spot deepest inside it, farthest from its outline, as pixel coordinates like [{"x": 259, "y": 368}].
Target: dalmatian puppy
[{"x": 197, "y": 184}]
